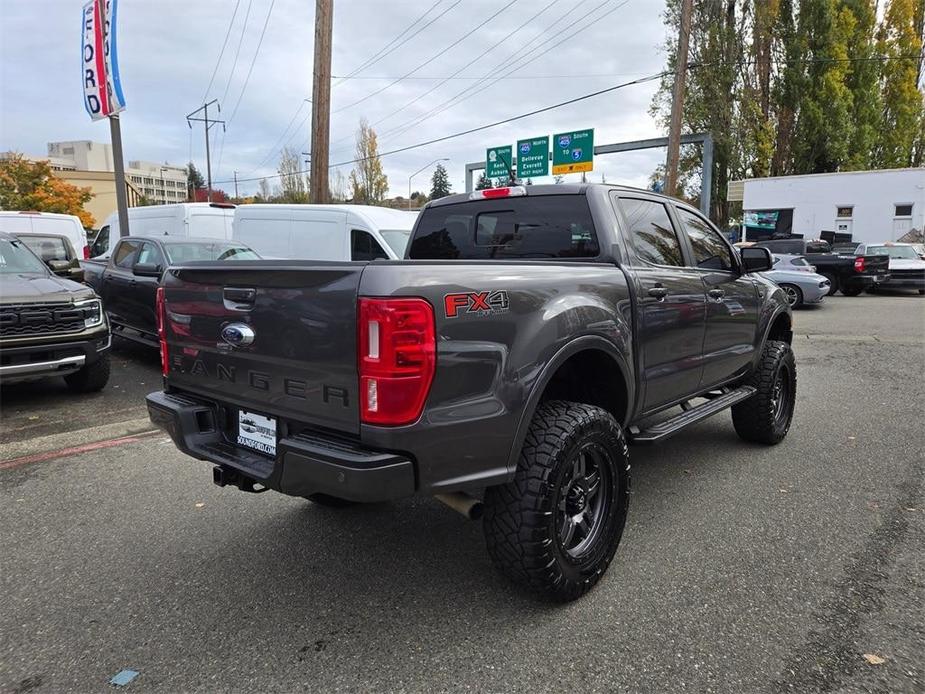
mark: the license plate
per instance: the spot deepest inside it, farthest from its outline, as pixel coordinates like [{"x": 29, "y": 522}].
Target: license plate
[{"x": 257, "y": 432}]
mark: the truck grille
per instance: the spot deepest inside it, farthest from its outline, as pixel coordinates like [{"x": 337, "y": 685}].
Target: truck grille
[{"x": 40, "y": 319}]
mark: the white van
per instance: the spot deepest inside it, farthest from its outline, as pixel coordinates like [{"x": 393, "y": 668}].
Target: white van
[
  {"x": 37, "y": 223},
  {"x": 323, "y": 232},
  {"x": 210, "y": 220}
]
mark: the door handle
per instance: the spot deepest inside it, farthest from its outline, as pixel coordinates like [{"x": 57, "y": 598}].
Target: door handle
[
  {"x": 717, "y": 294},
  {"x": 658, "y": 292}
]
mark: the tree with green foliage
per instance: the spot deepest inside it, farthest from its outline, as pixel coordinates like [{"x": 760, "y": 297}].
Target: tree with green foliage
[
  {"x": 864, "y": 84},
  {"x": 900, "y": 36},
  {"x": 194, "y": 180},
  {"x": 483, "y": 183},
  {"x": 440, "y": 183}
]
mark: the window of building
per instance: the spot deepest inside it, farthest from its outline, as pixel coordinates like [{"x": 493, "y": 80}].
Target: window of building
[
  {"x": 845, "y": 212},
  {"x": 68, "y": 150},
  {"x": 650, "y": 228},
  {"x": 904, "y": 210}
]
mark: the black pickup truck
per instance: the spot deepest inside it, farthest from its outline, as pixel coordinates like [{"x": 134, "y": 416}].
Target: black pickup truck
[
  {"x": 845, "y": 271},
  {"x": 128, "y": 280},
  {"x": 504, "y": 365}
]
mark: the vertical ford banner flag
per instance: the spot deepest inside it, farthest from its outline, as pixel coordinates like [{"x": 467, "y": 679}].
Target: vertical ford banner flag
[{"x": 99, "y": 61}]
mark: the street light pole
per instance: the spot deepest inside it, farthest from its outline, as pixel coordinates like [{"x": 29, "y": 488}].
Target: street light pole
[{"x": 419, "y": 171}]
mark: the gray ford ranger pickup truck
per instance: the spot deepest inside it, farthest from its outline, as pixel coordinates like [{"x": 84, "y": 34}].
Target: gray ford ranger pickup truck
[
  {"x": 503, "y": 366},
  {"x": 49, "y": 326}
]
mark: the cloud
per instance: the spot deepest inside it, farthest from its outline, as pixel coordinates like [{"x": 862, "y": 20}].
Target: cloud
[{"x": 169, "y": 49}]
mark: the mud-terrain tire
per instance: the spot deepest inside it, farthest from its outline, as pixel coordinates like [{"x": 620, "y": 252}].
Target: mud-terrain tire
[
  {"x": 833, "y": 282},
  {"x": 765, "y": 417},
  {"x": 554, "y": 529},
  {"x": 90, "y": 378},
  {"x": 330, "y": 501}
]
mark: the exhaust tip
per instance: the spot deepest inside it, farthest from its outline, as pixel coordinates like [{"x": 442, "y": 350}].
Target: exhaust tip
[{"x": 462, "y": 503}]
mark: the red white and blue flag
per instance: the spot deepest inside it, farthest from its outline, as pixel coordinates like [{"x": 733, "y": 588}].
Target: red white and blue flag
[{"x": 99, "y": 60}]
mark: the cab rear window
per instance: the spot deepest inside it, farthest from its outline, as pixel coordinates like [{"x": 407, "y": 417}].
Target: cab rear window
[{"x": 524, "y": 228}]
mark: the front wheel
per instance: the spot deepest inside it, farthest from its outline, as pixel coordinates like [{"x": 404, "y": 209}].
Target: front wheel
[
  {"x": 765, "y": 417},
  {"x": 794, "y": 295},
  {"x": 90, "y": 378},
  {"x": 556, "y": 526}
]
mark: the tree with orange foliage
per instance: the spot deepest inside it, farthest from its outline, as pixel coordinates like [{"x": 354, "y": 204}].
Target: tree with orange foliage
[{"x": 31, "y": 185}]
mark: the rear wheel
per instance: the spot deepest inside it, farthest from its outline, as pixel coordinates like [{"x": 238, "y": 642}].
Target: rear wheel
[
  {"x": 833, "y": 282},
  {"x": 556, "y": 526},
  {"x": 765, "y": 417},
  {"x": 921, "y": 291},
  {"x": 90, "y": 378},
  {"x": 851, "y": 291},
  {"x": 794, "y": 295}
]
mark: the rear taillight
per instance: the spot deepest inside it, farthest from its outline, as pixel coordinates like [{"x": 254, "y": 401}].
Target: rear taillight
[
  {"x": 396, "y": 359},
  {"x": 489, "y": 193},
  {"x": 161, "y": 311},
  {"x": 859, "y": 264},
  {"x": 87, "y": 256}
]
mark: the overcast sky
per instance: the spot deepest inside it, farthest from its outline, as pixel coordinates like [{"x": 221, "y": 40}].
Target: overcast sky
[{"x": 169, "y": 48}]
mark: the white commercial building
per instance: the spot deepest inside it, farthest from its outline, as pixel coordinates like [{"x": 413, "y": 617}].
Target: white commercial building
[
  {"x": 870, "y": 206},
  {"x": 159, "y": 183}
]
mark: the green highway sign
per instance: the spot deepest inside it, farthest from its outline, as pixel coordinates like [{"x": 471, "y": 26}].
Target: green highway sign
[
  {"x": 533, "y": 157},
  {"x": 573, "y": 152},
  {"x": 498, "y": 162}
]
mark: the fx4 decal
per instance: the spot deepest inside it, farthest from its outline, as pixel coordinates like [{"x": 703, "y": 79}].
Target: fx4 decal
[{"x": 482, "y": 303}]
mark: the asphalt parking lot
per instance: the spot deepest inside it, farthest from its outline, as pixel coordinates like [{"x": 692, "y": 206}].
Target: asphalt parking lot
[{"x": 797, "y": 568}]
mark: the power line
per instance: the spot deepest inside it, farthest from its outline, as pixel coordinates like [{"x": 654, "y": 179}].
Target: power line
[
  {"x": 383, "y": 52},
  {"x": 436, "y": 55},
  {"x": 237, "y": 53},
  {"x": 588, "y": 75},
  {"x": 279, "y": 141},
  {"x": 495, "y": 124},
  {"x": 222, "y": 52},
  {"x": 253, "y": 60},
  {"x": 515, "y": 63}
]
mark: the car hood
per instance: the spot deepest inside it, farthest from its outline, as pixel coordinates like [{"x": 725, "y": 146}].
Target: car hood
[
  {"x": 795, "y": 277},
  {"x": 39, "y": 289},
  {"x": 906, "y": 264}
]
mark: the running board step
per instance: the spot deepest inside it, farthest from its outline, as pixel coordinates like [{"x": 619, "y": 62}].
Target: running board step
[{"x": 672, "y": 426}]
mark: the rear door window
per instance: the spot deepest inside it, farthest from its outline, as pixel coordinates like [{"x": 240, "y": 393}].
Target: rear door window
[
  {"x": 150, "y": 254},
  {"x": 523, "y": 228},
  {"x": 364, "y": 247},
  {"x": 653, "y": 235}
]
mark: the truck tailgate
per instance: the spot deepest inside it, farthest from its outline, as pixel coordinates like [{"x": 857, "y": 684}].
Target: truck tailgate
[{"x": 301, "y": 363}]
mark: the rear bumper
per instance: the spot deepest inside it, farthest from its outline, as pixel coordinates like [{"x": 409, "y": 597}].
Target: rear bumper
[
  {"x": 56, "y": 358},
  {"x": 900, "y": 282},
  {"x": 303, "y": 465}
]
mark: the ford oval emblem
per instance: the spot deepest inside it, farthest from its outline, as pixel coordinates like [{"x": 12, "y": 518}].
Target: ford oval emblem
[{"x": 238, "y": 334}]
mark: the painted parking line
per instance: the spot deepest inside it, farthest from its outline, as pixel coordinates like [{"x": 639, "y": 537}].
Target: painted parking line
[{"x": 76, "y": 450}]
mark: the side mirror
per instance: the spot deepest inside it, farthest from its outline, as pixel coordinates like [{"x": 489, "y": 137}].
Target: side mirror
[
  {"x": 58, "y": 267},
  {"x": 76, "y": 274},
  {"x": 146, "y": 270},
  {"x": 756, "y": 259}
]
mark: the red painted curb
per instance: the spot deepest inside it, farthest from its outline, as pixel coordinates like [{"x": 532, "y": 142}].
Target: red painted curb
[{"x": 73, "y": 450}]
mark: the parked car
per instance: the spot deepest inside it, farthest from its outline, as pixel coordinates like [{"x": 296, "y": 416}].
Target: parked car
[
  {"x": 799, "y": 286},
  {"x": 127, "y": 282},
  {"x": 907, "y": 269},
  {"x": 792, "y": 263},
  {"x": 47, "y": 223},
  {"x": 324, "y": 232},
  {"x": 527, "y": 336},
  {"x": 211, "y": 220},
  {"x": 849, "y": 273},
  {"x": 56, "y": 251},
  {"x": 49, "y": 326}
]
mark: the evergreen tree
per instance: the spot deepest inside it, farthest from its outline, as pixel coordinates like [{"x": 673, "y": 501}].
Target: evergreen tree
[
  {"x": 440, "y": 183},
  {"x": 483, "y": 183},
  {"x": 863, "y": 82},
  {"x": 194, "y": 179}
]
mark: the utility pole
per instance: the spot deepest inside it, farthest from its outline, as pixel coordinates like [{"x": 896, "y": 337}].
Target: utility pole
[
  {"x": 321, "y": 101},
  {"x": 677, "y": 99},
  {"x": 235, "y": 184},
  {"x": 209, "y": 123}
]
